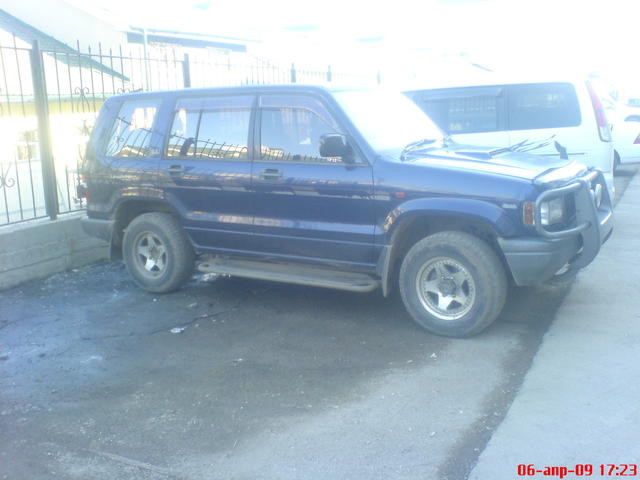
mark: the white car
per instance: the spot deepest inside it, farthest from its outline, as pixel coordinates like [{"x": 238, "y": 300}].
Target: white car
[
  {"x": 499, "y": 111},
  {"x": 625, "y": 127}
]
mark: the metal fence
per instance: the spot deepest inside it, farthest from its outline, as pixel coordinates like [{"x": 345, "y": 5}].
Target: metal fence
[{"x": 49, "y": 101}]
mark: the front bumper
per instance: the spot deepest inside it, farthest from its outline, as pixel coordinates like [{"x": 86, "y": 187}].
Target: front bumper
[{"x": 534, "y": 260}]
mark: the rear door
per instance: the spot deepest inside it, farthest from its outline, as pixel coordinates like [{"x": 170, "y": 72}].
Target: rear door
[
  {"x": 471, "y": 115},
  {"x": 306, "y": 206},
  {"x": 205, "y": 170},
  {"x": 126, "y": 165}
]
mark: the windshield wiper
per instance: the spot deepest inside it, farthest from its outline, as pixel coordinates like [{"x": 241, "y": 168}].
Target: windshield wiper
[
  {"x": 414, "y": 146},
  {"x": 523, "y": 146}
]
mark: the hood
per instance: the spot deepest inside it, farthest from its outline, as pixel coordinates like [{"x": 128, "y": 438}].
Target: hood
[{"x": 489, "y": 160}]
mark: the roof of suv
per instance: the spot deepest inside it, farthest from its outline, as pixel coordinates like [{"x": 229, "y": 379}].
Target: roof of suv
[{"x": 243, "y": 90}]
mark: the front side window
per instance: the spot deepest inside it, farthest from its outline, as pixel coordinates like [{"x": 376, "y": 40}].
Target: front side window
[
  {"x": 291, "y": 129},
  {"x": 132, "y": 130},
  {"x": 212, "y": 128}
]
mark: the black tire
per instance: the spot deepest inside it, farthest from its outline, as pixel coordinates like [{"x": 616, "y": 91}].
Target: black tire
[
  {"x": 453, "y": 284},
  {"x": 157, "y": 252},
  {"x": 616, "y": 161}
]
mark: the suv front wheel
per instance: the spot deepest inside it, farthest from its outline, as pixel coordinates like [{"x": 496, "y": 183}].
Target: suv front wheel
[
  {"x": 453, "y": 284},
  {"x": 157, "y": 252}
]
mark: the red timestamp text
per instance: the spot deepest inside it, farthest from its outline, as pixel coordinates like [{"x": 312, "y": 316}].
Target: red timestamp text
[{"x": 579, "y": 470}]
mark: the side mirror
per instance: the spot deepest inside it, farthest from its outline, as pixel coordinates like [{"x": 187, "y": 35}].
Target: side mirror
[{"x": 334, "y": 145}]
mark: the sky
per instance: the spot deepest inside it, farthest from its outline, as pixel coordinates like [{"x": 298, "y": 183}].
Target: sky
[{"x": 579, "y": 37}]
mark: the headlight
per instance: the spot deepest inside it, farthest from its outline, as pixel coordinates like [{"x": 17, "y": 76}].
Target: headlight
[{"x": 552, "y": 211}]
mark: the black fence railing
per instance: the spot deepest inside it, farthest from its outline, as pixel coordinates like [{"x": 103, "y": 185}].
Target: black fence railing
[{"x": 49, "y": 101}]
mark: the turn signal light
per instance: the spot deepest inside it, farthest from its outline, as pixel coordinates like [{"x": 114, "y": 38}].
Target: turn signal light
[{"x": 527, "y": 213}]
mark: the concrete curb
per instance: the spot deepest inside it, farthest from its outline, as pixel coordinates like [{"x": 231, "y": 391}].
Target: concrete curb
[
  {"x": 40, "y": 248},
  {"x": 578, "y": 403}
]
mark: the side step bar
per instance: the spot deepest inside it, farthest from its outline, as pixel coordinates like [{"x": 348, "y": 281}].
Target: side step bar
[{"x": 289, "y": 273}]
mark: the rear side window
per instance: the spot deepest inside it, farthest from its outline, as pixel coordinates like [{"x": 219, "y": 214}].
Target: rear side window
[
  {"x": 547, "y": 105},
  {"x": 211, "y": 128},
  {"x": 463, "y": 110},
  {"x": 132, "y": 129}
]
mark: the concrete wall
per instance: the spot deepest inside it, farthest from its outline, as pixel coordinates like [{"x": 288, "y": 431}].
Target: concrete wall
[{"x": 41, "y": 248}]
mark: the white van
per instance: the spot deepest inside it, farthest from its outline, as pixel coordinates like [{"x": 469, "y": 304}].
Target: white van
[{"x": 506, "y": 112}]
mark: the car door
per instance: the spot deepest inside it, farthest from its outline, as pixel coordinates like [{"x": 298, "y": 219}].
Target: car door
[
  {"x": 307, "y": 206},
  {"x": 205, "y": 171},
  {"x": 131, "y": 154}
]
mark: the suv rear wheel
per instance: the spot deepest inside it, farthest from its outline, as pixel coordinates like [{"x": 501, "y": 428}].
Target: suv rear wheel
[
  {"x": 453, "y": 284},
  {"x": 157, "y": 252}
]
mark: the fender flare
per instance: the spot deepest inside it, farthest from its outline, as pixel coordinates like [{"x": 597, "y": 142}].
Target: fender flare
[{"x": 475, "y": 212}]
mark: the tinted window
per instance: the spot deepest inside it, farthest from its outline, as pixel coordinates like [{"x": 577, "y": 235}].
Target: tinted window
[
  {"x": 211, "y": 128},
  {"x": 223, "y": 134},
  {"x": 183, "y": 133},
  {"x": 463, "y": 110},
  {"x": 132, "y": 130},
  {"x": 548, "y": 105},
  {"x": 291, "y": 128}
]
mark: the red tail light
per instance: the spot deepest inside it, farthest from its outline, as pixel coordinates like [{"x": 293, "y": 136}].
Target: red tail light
[{"x": 601, "y": 117}]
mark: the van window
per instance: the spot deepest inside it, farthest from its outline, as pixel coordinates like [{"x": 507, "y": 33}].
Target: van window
[
  {"x": 132, "y": 129},
  {"x": 463, "y": 110},
  {"x": 547, "y": 105},
  {"x": 211, "y": 128}
]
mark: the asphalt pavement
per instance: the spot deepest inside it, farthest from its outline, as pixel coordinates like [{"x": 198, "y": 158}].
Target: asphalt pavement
[{"x": 239, "y": 379}]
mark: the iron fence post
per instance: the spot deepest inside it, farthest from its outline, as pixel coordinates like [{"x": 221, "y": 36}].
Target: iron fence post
[
  {"x": 378, "y": 77},
  {"x": 44, "y": 131},
  {"x": 186, "y": 71},
  {"x": 329, "y": 74},
  {"x": 293, "y": 73},
  {"x": 145, "y": 46}
]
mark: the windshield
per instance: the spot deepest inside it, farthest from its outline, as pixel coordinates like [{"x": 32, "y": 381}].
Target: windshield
[{"x": 388, "y": 120}]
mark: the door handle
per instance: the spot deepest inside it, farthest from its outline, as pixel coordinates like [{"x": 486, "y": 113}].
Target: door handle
[
  {"x": 175, "y": 170},
  {"x": 271, "y": 174}
]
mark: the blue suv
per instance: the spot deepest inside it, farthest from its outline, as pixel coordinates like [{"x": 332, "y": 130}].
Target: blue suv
[{"x": 351, "y": 189}]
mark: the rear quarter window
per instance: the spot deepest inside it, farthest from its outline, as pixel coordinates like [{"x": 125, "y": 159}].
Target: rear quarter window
[
  {"x": 546, "y": 105},
  {"x": 132, "y": 129}
]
